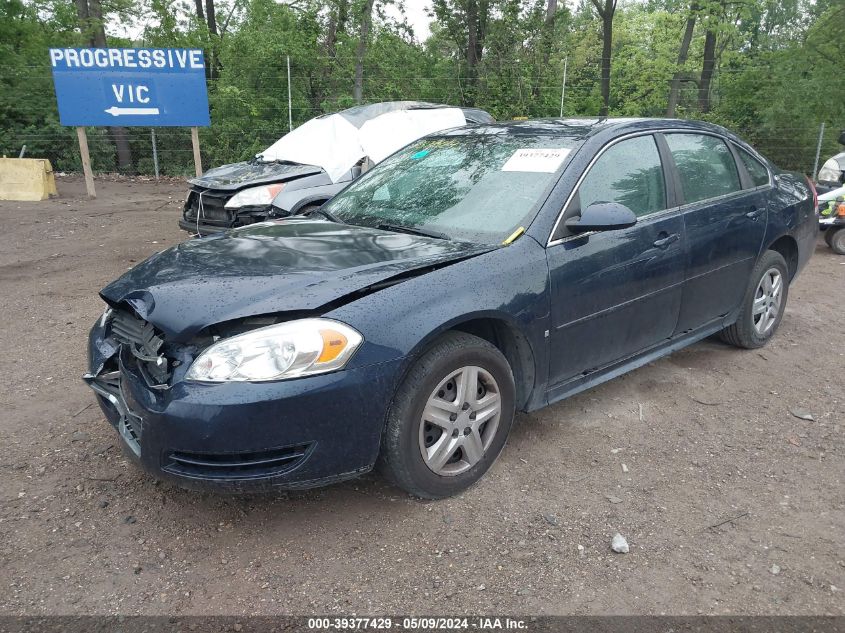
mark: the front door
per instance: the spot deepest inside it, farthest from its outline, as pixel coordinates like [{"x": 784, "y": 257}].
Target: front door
[{"x": 615, "y": 293}]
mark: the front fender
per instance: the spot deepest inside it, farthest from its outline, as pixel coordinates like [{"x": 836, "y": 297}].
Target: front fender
[
  {"x": 510, "y": 284},
  {"x": 297, "y": 194}
]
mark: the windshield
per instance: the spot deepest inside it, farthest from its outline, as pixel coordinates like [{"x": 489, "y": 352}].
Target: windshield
[{"x": 473, "y": 188}]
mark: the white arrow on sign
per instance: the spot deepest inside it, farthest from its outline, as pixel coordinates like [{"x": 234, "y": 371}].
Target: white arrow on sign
[{"x": 115, "y": 111}]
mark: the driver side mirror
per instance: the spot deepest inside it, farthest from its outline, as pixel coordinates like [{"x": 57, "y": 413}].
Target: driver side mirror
[{"x": 602, "y": 216}]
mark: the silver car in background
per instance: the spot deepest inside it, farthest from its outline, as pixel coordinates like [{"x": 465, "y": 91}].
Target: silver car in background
[{"x": 309, "y": 165}]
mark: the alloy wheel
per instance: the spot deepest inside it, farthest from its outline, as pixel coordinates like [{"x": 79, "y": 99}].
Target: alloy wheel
[
  {"x": 459, "y": 421},
  {"x": 767, "y": 300}
]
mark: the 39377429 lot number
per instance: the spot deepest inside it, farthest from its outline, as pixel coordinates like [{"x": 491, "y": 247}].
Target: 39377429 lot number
[{"x": 416, "y": 623}]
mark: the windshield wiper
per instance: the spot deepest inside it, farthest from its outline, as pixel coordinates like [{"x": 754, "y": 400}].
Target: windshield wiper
[
  {"x": 326, "y": 214},
  {"x": 413, "y": 230}
]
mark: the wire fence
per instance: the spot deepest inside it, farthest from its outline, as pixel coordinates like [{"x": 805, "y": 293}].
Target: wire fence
[{"x": 236, "y": 135}]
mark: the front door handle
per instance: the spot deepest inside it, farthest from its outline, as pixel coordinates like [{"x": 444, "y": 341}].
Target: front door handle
[
  {"x": 664, "y": 242},
  {"x": 754, "y": 213}
]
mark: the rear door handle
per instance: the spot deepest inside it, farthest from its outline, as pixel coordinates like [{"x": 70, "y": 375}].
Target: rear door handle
[
  {"x": 664, "y": 242},
  {"x": 754, "y": 213}
]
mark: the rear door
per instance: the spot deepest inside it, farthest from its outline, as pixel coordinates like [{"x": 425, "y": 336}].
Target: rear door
[
  {"x": 615, "y": 293},
  {"x": 724, "y": 216}
]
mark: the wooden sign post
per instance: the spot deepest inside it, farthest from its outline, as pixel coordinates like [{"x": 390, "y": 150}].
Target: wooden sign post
[
  {"x": 195, "y": 141},
  {"x": 86, "y": 162}
]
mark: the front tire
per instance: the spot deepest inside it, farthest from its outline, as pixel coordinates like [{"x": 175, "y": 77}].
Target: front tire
[
  {"x": 763, "y": 304},
  {"x": 450, "y": 418}
]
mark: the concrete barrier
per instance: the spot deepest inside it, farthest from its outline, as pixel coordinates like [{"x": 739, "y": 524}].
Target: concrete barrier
[{"x": 28, "y": 179}]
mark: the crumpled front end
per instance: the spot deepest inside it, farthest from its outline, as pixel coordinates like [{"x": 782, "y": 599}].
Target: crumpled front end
[
  {"x": 121, "y": 338},
  {"x": 205, "y": 211},
  {"x": 232, "y": 437}
]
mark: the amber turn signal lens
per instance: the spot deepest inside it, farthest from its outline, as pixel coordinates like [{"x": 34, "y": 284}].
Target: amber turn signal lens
[
  {"x": 275, "y": 189},
  {"x": 333, "y": 345}
]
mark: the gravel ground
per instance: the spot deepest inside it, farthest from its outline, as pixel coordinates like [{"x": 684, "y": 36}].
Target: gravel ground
[{"x": 730, "y": 503}]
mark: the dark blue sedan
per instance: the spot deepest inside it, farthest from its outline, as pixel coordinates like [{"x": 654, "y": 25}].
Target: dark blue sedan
[{"x": 472, "y": 274}]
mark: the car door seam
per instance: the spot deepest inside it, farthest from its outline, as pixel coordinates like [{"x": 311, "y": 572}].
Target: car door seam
[
  {"x": 618, "y": 306},
  {"x": 715, "y": 270}
]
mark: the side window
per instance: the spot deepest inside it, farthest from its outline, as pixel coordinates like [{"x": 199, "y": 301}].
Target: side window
[
  {"x": 758, "y": 172},
  {"x": 630, "y": 173},
  {"x": 705, "y": 165}
]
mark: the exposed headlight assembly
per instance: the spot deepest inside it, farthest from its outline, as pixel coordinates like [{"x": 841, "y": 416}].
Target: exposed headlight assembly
[
  {"x": 277, "y": 352},
  {"x": 106, "y": 316},
  {"x": 254, "y": 196},
  {"x": 830, "y": 172}
]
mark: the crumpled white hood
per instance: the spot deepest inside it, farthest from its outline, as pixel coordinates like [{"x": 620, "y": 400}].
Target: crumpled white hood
[
  {"x": 385, "y": 134},
  {"x": 335, "y": 144}
]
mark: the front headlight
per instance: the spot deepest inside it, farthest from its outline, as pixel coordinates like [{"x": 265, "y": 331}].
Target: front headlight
[
  {"x": 830, "y": 172},
  {"x": 276, "y": 352},
  {"x": 254, "y": 196}
]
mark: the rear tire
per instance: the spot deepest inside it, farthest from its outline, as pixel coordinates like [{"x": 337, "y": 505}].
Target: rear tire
[
  {"x": 837, "y": 240},
  {"x": 450, "y": 418},
  {"x": 763, "y": 304}
]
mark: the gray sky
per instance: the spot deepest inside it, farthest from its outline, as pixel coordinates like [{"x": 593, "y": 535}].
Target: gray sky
[{"x": 415, "y": 12}]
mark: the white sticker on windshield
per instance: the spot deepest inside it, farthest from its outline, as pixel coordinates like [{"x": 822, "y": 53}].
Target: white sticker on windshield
[{"x": 538, "y": 160}]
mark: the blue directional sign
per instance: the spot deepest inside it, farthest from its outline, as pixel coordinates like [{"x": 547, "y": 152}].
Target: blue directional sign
[{"x": 130, "y": 86}]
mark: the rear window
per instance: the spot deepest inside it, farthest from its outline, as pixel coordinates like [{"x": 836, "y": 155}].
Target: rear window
[{"x": 705, "y": 165}]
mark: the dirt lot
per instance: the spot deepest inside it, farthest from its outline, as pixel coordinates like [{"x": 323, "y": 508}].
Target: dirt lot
[{"x": 730, "y": 503}]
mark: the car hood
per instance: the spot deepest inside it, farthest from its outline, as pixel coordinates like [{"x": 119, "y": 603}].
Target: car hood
[
  {"x": 239, "y": 175},
  {"x": 283, "y": 266}
]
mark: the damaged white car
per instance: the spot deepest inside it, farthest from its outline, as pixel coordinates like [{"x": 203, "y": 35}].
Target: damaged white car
[{"x": 309, "y": 165}]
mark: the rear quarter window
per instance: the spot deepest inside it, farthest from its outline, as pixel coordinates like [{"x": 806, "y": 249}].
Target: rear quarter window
[{"x": 758, "y": 172}]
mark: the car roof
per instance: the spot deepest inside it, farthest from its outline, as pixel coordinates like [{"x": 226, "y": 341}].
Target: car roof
[
  {"x": 583, "y": 128},
  {"x": 358, "y": 115}
]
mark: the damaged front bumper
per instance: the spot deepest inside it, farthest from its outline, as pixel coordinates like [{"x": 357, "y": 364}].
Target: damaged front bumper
[
  {"x": 205, "y": 212},
  {"x": 234, "y": 437},
  {"x": 107, "y": 386}
]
